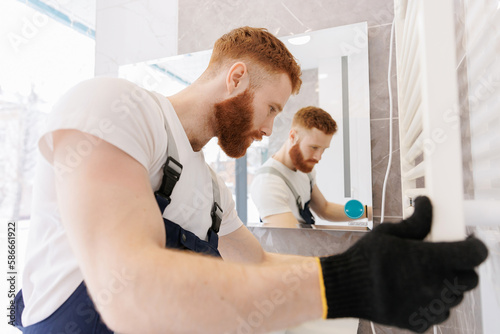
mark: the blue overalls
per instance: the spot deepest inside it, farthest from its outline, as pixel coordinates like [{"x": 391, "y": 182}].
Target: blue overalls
[
  {"x": 304, "y": 211},
  {"x": 177, "y": 237},
  {"x": 78, "y": 313}
]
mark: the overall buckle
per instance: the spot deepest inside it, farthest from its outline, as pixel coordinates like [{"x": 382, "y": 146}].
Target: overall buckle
[
  {"x": 216, "y": 215},
  {"x": 172, "y": 170}
]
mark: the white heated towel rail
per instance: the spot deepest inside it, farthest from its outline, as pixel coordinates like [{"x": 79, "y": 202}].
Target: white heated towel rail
[
  {"x": 430, "y": 128},
  {"x": 429, "y": 123},
  {"x": 430, "y": 143}
]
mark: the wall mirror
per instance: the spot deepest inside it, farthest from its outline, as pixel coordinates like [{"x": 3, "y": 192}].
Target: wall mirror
[{"x": 334, "y": 64}]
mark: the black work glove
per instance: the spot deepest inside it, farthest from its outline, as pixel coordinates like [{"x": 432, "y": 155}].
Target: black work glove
[{"x": 392, "y": 277}]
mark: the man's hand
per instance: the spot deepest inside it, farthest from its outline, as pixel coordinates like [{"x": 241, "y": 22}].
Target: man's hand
[{"x": 391, "y": 276}]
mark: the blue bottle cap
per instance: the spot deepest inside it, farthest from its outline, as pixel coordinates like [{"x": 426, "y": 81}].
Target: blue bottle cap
[{"x": 354, "y": 209}]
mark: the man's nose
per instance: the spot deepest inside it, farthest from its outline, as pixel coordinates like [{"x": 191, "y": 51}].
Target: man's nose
[
  {"x": 317, "y": 155},
  {"x": 267, "y": 127}
]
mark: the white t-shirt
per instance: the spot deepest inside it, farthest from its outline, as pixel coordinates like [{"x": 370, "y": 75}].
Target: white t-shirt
[
  {"x": 128, "y": 117},
  {"x": 271, "y": 194}
]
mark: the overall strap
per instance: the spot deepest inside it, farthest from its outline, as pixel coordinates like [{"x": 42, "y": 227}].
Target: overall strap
[
  {"x": 274, "y": 171},
  {"x": 171, "y": 173},
  {"x": 216, "y": 212},
  {"x": 172, "y": 169}
]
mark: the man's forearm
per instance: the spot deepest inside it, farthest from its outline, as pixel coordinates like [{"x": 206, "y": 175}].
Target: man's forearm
[
  {"x": 181, "y": 292},
  {"x": 280, "y": 259},
  {"x": 334, "y": 212}
]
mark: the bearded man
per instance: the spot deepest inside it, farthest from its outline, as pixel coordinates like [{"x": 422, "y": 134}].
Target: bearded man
[
  {"x": 120, "y": 241},
  {"x": 284, "y": 189}
]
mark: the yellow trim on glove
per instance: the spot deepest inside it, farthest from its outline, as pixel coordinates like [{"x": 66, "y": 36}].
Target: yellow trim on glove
[{"x": 322, "y": 290}]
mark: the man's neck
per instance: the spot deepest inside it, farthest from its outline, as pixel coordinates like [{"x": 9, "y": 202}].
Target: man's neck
[
  {"x": 194, "y": 107},
  {"x": 283, "y": 156}
]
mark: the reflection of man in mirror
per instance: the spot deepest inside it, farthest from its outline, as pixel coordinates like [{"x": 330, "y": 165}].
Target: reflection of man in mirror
[
  {"x": 129, "y": 225},
  {"x": 284, "y": 189}
]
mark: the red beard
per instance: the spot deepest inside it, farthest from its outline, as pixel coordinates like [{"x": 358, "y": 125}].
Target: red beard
[
  {"x": 233, "y": 124},
  {"x": 305, "y": 166}
]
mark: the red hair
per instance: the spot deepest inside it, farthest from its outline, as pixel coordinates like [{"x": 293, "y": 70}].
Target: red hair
[
  {"x": 314, "y": 117},
  {"x": 256, "y": 46}
]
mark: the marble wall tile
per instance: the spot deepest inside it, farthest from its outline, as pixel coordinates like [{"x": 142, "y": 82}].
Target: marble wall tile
[
  {"x": 305, "y": 242},
  {"x": 380, "y": 158},
  {"x": 202, "y": 22},
  {"x": 463, "y": 98},
  {"x": 378, "y": 47}
]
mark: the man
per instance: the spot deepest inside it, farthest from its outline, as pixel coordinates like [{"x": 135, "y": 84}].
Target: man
[
  {"x": 111, "y": 195},
  {"x": 284, "y": 189}
]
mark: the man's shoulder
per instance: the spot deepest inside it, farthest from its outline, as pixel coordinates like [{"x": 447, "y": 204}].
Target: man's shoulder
[
  {"x": 279, "y": 169},
  {"x": 268, "y": 168},
  {"x": 269, "y": 175},
  {"x": 106, "y": 81},
  {"x": 107, "y": 96},
  {"x": 271, "y": 163},
  {"x": 105, "y": 88}
]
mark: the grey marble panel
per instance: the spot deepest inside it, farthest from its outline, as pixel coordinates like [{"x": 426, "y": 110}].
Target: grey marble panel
[
  {"x": 380, "y": 158},
  {"x": 202, "y": 22},
  {"x": 463, "y": 98},
  {"x": 378, "y": 50},
  {"x": 305, "y": 242}
]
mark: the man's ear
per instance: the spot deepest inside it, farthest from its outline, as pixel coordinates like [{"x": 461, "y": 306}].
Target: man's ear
[
  {"x": 293, "y": 135},
  {"x": 237, "y": 79}
]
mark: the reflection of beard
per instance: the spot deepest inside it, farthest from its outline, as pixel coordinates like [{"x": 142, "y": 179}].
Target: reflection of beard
[
  {"x": 305, "y": 166},
  {"x": 233, "y": 124}
]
